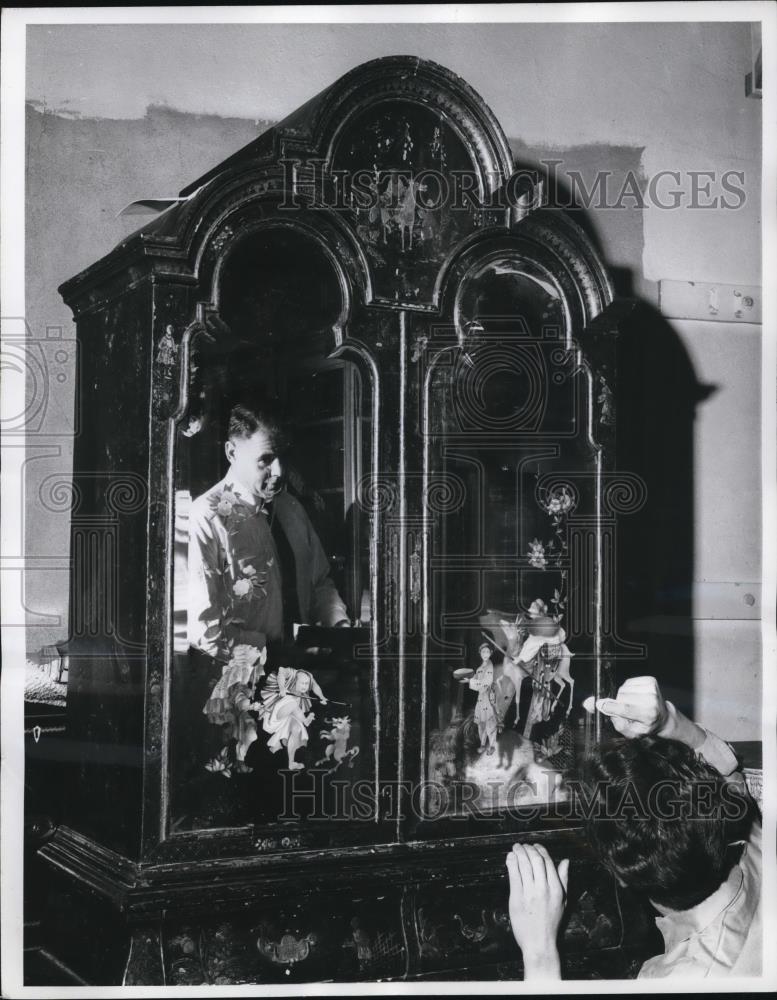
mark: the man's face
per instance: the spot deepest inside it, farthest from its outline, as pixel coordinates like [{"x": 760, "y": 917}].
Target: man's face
[{"x": 253, "y": 462}]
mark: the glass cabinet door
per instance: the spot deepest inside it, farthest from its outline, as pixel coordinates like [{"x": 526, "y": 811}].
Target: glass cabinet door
[
  {"x": 513, "y": 561},
  {"x": 271, "y": 591}
]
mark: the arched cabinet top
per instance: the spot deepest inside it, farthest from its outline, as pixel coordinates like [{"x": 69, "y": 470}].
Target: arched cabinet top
[
  {"x": 313, "y": 130},
  {"x": 399, "y": 166},
  {"x": 549, "y": 244}
]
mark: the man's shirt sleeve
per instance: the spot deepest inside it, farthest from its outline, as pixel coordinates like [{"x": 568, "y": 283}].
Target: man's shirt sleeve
[{"x": 207, "y": 594}]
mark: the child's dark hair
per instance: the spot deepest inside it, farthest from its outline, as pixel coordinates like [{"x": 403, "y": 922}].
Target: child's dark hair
[{"x": 661, "y": 819}]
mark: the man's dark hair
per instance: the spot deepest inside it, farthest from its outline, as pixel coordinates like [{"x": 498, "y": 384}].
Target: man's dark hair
[
  {"x": 246, "y": 420},
  {"x": 660, "y": 820}
]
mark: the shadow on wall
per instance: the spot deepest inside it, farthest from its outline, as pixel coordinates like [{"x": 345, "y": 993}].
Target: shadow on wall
[{"x": 657, "y": 397}]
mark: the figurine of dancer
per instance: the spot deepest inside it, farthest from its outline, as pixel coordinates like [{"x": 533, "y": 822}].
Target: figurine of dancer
[
  {"x": 285, "y": 710},
  {"x": 485, "y": 708}
]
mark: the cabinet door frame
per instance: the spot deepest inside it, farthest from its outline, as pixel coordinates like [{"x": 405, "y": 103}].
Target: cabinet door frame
[{"x": 550, "y": 245}]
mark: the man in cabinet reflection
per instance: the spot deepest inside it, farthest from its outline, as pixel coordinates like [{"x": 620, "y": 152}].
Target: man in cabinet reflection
[{"x": 256, "y": 567}]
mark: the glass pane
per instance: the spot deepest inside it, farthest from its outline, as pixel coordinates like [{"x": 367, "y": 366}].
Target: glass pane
[
  {"x": 268, "y": 550},
  {"x": 510, "y": 600}
]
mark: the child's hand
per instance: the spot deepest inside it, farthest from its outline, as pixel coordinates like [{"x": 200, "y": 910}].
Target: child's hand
[
  {"x": 638, "y": 709},
  {"x": 537, "y": 897}
]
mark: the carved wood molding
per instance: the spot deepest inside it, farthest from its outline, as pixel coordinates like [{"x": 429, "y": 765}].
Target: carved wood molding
[
  {"x": 174, "y": 241},
  {"x": 422, "y": 82},
  {"x": 312, "y": 130},
  {"x": 554, "y": 243},
  {"x": 200, "y": 884},
  {"x": 110, "y": 874}
]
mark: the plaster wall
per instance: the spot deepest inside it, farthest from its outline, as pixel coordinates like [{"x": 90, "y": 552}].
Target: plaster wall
[{"x": 125, "y": 112}]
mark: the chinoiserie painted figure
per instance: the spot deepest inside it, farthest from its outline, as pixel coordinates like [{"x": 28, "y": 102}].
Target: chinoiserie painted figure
[
  {"x": 230, "y": 705},
  {"x": 286, "y": 710}
]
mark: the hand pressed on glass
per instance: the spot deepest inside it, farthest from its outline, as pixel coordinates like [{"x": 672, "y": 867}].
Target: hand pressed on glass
[{"x": 537, "y": 897}]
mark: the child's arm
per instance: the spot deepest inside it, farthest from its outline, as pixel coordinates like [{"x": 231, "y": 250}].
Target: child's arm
[{"x": 639, "y": 709}]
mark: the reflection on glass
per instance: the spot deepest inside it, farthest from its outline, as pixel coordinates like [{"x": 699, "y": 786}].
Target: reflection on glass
[
  {"x": 508, "y": 438},
  {"x": 269, "y": 546}
]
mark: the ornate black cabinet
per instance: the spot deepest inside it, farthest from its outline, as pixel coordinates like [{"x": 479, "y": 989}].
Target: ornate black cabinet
[{"x": 439, "y": 336}]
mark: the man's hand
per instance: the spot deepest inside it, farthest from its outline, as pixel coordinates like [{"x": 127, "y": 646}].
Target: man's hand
[
  {"x": 537, "y": 896},
  {"x": 639, "y": 709}
]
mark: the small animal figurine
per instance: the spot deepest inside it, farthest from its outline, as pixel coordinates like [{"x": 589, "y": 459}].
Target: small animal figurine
[{"x": 338, "y": 737}]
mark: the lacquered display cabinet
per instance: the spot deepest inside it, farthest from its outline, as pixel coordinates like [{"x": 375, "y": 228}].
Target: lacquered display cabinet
[{"x": 440, "y": 341}]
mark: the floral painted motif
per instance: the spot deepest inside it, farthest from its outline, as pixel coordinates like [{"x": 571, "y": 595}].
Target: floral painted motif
[
  {"x": 289, "y": 950},
  {"x": 230, "y": 507},
  {"x": 557, "y": 501},
  {"x": 536, "y": 554},
  {"x": 251, "y": 584},
  {"x": 226, "y": 504}
]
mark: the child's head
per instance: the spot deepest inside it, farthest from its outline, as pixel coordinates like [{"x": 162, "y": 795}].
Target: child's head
[{"x": 661, "y": 818}]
